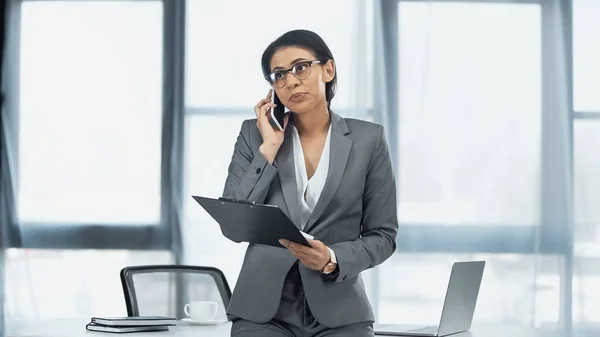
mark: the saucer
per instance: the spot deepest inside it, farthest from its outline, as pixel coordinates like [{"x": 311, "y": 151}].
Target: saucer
[{"x": 211, "y": 322}]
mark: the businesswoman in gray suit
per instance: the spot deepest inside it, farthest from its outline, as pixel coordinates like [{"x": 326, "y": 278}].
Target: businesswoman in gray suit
[{"x": 333, "y": 177}]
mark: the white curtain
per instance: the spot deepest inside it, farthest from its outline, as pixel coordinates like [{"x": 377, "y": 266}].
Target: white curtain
[
  {"x": 475, "y": 101},
  {"x": 222, "y": 88},
  {"x": 484, "y": 171},
  {"x": 468, "y": 133},
  {"x": 82, "y": 110}
]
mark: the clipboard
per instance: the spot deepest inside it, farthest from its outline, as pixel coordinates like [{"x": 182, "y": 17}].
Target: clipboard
[{"x": 247, "y": 221}]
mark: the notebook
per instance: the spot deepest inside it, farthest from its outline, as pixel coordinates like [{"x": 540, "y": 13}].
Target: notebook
[
  {"x": 125, "y": 329},
  {"x": 133, "y": 321}
]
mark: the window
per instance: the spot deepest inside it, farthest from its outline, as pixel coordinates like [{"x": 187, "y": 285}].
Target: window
[
  {"x": 231, "y": 74},
  {"x": 587, "y": 172},
  {"x": 208, "y": 149},
  {"x": 224, "y": 83},
  {"x": 470, "y": 113},
  {"x": 587, "y": 221},
  {"x": 90, "y": 112},
  {"x": 413, "y": 288},
  {"x": 586, "y": 53},
  {"x": 49, "y": 284}
]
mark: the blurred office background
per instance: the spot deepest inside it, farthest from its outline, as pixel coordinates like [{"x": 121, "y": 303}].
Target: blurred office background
[{"x": 116, "y": 112}]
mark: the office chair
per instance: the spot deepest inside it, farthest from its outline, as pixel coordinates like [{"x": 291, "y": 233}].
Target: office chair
[{"x": 163, "y": 290}]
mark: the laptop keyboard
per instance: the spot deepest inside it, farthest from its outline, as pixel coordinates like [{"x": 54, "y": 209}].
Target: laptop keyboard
[{"x": 425, "y": 329}]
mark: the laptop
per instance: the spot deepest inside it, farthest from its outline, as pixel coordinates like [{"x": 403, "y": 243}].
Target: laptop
[{"x": 458, "y": 309}]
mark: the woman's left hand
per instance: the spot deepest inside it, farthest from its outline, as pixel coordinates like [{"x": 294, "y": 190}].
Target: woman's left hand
[{"x": 314, "y": 257}]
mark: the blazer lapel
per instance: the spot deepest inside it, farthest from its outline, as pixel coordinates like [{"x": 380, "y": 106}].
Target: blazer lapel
[
  {"x": 340, "y": 147},
  {"x": 287, "y": 174}
]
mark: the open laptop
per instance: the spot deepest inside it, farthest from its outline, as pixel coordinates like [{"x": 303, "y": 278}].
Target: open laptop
[{"x": 459, "y": 305}]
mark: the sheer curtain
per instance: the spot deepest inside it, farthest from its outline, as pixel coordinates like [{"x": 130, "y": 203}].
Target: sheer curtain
[
  {"x": 80, "y": 152},
  {"x": 586, "y": 166},
  {"x": 484, "y": 149},
  {"x": 474, "y": 97},
  {"x": 477, "y": 102},
  {"x": 224, "y": 82},
  {"x": 468, "y": 133}
]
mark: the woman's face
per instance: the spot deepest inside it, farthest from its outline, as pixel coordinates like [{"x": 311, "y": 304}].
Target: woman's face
[{"x": 301, "y": 95}]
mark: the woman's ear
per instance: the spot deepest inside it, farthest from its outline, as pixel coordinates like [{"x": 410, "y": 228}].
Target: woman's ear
[{"x": 328, "y": 71}]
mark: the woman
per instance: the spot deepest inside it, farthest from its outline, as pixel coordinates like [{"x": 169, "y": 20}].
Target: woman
[{"x": 333, "y": 177}]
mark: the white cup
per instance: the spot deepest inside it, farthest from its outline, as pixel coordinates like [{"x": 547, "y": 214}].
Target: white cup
[{"x": 201, "y": 311}]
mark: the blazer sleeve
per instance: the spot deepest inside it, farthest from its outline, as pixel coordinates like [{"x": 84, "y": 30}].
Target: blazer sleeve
[
  {"x": 249, "y": 177},
  {"x": 379, "y": 223}
]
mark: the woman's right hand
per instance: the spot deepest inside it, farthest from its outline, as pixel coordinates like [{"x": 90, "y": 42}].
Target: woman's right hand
[{"x": 272, "y": 136}]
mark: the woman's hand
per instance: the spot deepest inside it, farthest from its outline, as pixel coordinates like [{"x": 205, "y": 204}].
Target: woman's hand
[
  {"x": 272, "y": 137},
  {"x": 314, "y": 257}
]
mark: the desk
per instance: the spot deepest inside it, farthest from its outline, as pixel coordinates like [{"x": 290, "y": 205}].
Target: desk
[{"x": 76, "y": 328}]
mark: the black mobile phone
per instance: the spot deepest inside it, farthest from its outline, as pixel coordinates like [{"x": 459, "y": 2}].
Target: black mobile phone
[{"x": 277, "y": 113}]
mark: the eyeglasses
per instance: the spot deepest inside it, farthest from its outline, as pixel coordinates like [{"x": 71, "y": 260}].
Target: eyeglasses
[{"x": 300, "y": 70}]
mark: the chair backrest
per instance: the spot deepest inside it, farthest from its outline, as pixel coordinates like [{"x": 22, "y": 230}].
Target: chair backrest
[{"x": 163, "y": 290}]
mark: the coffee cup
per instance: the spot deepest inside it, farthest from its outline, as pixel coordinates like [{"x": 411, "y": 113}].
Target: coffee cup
[{"x": 201, "y": 311}]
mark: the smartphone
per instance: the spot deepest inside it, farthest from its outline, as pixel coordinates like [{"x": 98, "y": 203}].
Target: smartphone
[{"x": 277, "y": 113}]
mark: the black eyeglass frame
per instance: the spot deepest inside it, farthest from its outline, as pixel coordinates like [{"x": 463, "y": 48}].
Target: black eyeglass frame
[{"x": 270, "y": 77}]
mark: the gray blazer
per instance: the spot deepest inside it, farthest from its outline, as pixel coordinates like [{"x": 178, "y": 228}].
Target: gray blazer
[{"x": 355, "y": 216}]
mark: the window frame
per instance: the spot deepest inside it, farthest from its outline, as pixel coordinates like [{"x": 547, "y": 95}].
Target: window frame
[
  {"x": 552, "y": 237},
  {"x": 447, "y": 238},
  {"x": 163, "y": 235}
]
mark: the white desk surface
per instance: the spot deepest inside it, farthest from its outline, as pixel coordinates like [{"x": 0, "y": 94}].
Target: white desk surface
[{"x": 76, "y": 328}]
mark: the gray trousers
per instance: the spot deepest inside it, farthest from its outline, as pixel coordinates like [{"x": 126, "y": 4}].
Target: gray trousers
[{"x": 294, "y": 318}]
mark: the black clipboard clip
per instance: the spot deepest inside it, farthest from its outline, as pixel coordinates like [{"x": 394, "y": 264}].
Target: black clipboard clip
[{"x": 237, "y": 200}]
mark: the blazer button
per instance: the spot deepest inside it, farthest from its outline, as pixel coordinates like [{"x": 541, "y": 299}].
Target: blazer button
[{"x": 258, "y": 170}]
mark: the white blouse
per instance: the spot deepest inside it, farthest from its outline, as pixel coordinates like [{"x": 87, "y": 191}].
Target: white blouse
[{"x": 309, "y": 190}]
